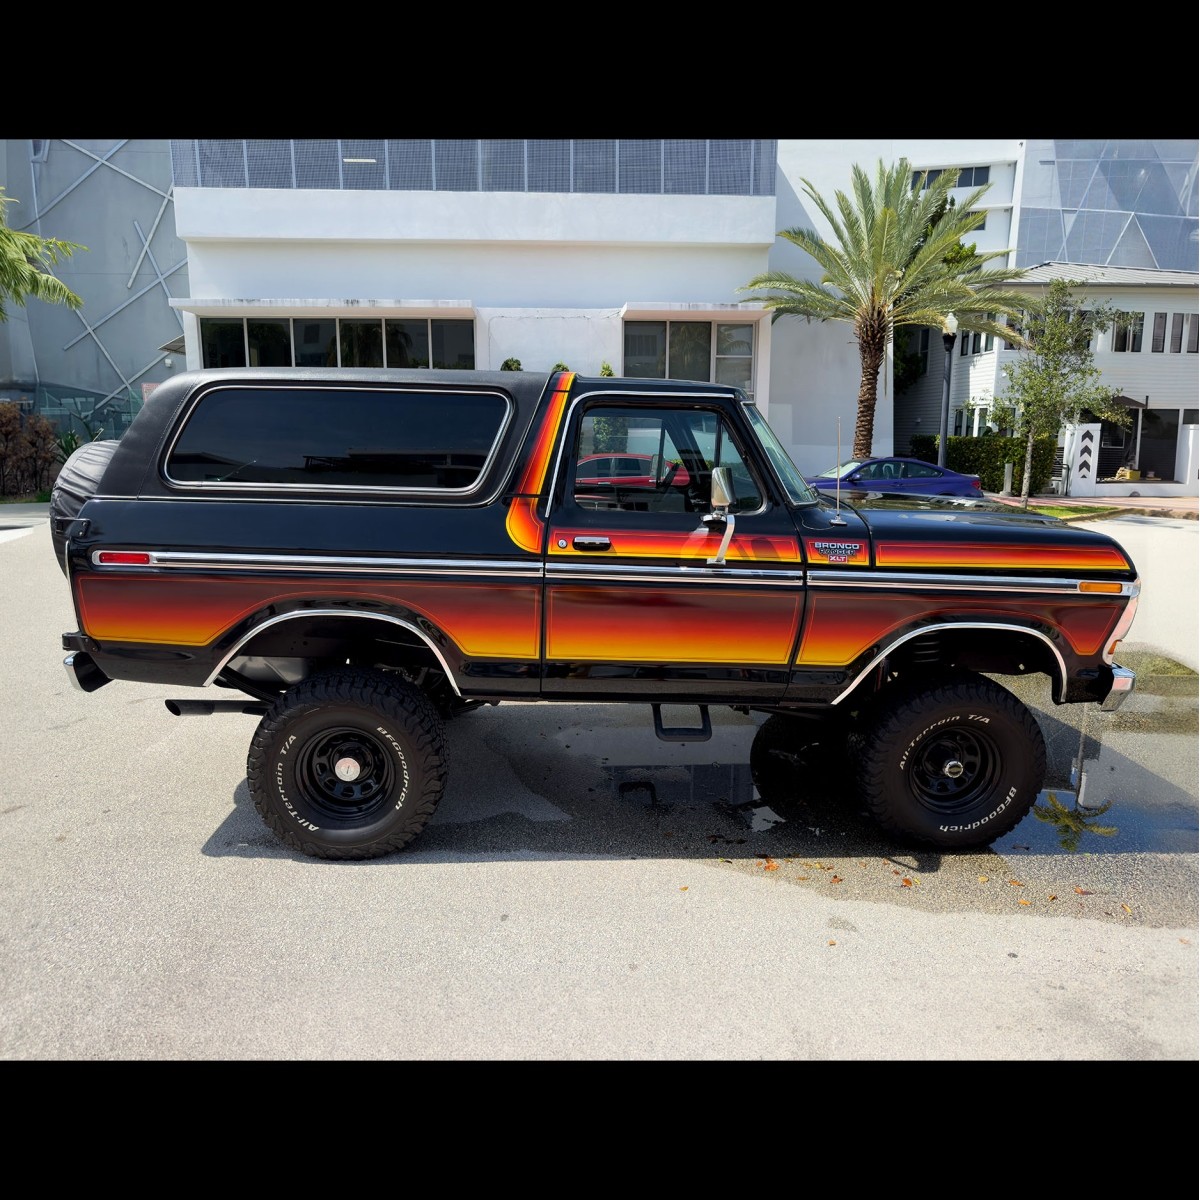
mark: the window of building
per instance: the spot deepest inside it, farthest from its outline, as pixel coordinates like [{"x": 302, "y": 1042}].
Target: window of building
[
  {"x": 1193, "y": 327},
  {"x": 982, "y": 222},
  {"x": 315, "y": 342},
  {"x": 1127, "y": 333},
  {"x": 269, "y": 343},
  {"x": 972, "y": 177},
  {"x": 223, "y": 343},
  {"x": 361, "y": 343},
  {"x": 919, "y": 345},
  {"x": 1191, "y": 416},
  {"x": 339, "y": 437},
  {"x": 1158, "y": 338},
  {"x": 1176, "y": 332},
  {"x": 337, "y": 342},
  {"x": 707, "y": 351}
]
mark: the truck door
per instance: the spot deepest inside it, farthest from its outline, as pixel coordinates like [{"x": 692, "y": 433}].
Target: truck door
[{"x": 648, "y": 594}]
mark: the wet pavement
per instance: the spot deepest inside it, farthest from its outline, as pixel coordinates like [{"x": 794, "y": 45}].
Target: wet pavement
[{"x": 1113, "y": 836}]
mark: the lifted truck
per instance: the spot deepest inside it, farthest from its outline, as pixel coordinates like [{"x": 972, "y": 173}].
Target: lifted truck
[{"x": 356, "y": 556}]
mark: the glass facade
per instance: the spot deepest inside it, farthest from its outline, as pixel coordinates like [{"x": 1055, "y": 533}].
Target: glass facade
[
  {"x": 1121, "y": 203},
  {"x": 658, "y": 166}
]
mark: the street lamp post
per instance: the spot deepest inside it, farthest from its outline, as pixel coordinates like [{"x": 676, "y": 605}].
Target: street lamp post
[{"x": 949, "y": 335}]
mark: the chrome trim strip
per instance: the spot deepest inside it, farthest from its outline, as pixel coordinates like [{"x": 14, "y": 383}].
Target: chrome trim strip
[
  {"x": 564, "y": 573},
  {"x": 325, "y": 562},
  {"x": 957, "y": 626},
  {"x": 335, "y": 612},
  {"x": 991, "y": 583},
  {"x": 1120, "y": 630}
]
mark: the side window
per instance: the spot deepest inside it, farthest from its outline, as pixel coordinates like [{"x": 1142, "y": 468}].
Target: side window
[
  {"x": 353, "y": 437},
  {"x": 632, "y": 459},
  {"x": 918, "y": 471}
]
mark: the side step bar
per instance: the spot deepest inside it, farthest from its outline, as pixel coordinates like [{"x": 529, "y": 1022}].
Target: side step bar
[
  {"x": 664, "y": 734},
  {"x": 206, "y": 708}
]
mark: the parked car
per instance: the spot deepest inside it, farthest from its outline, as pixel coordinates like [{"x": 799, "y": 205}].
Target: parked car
[
  {"x": 909, "y": 475},
  {"x": 628, "y": 470}
]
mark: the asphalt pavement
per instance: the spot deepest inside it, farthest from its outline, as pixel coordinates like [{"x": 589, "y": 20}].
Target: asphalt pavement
[{"x": 586, "y": 892}]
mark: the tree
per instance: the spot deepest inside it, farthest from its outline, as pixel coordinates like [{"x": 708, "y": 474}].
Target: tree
[
  {"x": 1054, "y": 377},
  {"x": 25, "y": 262},
  {"x": 896, "y": 261}
]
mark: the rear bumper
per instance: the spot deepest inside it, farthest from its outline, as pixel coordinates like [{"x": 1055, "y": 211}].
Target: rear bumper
[
  {"x": 1122, "y": 688},
  {"x": 83, "y": 672}
]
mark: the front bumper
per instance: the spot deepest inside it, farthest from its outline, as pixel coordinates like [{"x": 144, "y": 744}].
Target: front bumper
[{"x": 1122, "y": 688}]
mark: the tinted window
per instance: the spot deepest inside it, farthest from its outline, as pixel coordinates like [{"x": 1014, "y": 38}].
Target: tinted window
[{"x": 338, "y": 437}]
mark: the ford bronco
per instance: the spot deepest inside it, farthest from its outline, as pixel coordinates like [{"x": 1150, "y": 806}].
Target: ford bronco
[{"x": 356, "y": 556}]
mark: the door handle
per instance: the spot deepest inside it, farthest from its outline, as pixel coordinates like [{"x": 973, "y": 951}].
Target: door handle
[{"x": 592, "y": 543}]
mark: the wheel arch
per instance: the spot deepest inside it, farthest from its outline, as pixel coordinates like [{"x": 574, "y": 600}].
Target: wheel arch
[
  {"x": 1013, "y": 649},
  {"x": 429, "y": 643}
]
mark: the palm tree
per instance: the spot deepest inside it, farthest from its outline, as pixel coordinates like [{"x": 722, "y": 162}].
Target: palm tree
[
  {"x": 895, "y": 262},
  {"x": 24, "y": 259}
]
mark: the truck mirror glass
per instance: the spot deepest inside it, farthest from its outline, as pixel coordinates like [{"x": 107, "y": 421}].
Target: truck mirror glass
[{"x": 722, "y": 488}]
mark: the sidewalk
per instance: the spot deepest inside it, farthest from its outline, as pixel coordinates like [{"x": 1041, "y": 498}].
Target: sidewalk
[{"x": 1181, "y": 507}]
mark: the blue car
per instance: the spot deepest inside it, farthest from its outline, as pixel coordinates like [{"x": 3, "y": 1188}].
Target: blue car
[{"x": 908, "y": 476}]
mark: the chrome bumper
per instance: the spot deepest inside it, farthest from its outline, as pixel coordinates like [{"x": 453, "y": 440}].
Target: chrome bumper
[
  {"x": 1121, "y": 690},
  {"x": 83, "y": 672}
]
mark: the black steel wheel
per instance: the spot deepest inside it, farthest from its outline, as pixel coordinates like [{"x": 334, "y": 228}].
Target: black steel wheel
[
  {"x": 955, "y": 763},
  {"x": 348, "y": 764}
]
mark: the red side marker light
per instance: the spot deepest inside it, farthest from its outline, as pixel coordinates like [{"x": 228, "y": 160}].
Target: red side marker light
[{"x": 125, "y": 558}]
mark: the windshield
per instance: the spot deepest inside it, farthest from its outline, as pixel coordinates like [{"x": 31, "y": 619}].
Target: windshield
[
  {"x": 845, "y": 469},
  {"x": 793, "y": 482}
]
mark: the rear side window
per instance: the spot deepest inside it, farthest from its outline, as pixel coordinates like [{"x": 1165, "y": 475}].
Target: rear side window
[{"x": 293, "y": 437}]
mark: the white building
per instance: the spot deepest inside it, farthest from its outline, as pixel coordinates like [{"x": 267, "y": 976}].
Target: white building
[
  {"x": 630, "y": 254},
  {"x": 1151, "y": 364}
]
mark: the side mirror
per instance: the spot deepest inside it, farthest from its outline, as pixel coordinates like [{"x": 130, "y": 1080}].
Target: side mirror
[
  {"x": 721, "y": 495},
  {"x": 854, "y": 478}
]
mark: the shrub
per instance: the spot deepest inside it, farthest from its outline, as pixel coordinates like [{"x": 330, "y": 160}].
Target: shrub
[
  {"x": 511, "y": 364},
  {"x": 986, "y": 457},
  {"x": 606, "y": 369}
]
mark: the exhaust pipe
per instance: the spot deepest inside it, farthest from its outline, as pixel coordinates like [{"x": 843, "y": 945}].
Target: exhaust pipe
[{"x": 206, "y": 708}]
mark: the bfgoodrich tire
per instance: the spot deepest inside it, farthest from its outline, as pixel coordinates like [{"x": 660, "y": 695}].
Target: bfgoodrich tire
[
  {"x": 955, "y": 764},
  {"x": 349, "y": 764}
]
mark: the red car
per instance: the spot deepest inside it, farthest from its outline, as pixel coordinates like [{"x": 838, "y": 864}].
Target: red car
[{"x": 627, "y": 470}]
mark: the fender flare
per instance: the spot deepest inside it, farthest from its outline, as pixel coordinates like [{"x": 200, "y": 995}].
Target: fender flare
[{"x": 405, "y": 623}]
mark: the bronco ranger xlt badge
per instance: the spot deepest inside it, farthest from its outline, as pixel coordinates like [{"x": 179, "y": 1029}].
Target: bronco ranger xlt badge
[{"x": 355, "y": 556}]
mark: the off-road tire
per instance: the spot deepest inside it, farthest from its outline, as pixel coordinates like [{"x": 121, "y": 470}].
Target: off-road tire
[
  {"x": 955, "y": 763},
  {"x": 370, "y": 722},
  {"x": 791, "y": 758}
]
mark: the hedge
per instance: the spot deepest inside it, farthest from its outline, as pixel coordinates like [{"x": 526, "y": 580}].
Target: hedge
[{"x": 986, "y": 457}]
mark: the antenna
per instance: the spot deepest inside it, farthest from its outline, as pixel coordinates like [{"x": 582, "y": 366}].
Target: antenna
[{"x": 837, "y": 518}]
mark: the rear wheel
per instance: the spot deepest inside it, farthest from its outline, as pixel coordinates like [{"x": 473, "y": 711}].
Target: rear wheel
[
  {"x": 349, "y": 764},
  {"x": 955, "y": 764}
]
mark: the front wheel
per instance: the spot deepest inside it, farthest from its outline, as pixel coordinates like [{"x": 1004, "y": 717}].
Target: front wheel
[
  {"x": 349, "y": 764},
  {"x": 955, "y": 764}
]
